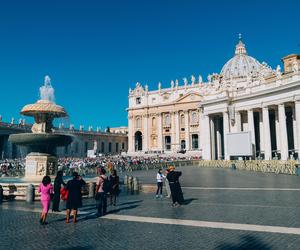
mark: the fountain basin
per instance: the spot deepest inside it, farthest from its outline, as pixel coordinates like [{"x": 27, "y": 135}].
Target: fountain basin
[{"x": 41, "y": 140}]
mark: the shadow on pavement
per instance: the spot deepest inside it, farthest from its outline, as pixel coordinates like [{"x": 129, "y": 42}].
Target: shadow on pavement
[
  {"x": 130, "y": 202},
  {"x": 94, "y": 216},
  {"x": 246, "y": 242},
  {"x": 188, "y": 201},
  {"x": 78, "y": 248}
]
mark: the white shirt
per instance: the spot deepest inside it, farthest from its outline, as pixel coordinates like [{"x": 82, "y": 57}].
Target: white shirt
[{"x": 160, "y": 177}]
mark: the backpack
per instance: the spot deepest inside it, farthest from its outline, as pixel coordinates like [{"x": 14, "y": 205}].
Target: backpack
[{"x": 106, "y": 185}]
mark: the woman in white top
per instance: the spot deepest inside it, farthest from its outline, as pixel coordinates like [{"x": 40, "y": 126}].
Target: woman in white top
[{"x": 160, "y": 180}]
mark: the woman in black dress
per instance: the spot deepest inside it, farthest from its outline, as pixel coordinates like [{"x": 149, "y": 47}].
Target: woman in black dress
[
  {"x": 114, "y": 191},
  {"x": 74, "y": 200},
  {"x": 57, "y": 186}
]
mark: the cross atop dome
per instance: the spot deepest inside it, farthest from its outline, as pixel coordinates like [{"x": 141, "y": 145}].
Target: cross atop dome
[{"x": 240, "y": 48}]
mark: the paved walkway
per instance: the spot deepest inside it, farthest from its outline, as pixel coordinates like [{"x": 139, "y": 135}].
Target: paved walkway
[{"x": 229, "y": 210}]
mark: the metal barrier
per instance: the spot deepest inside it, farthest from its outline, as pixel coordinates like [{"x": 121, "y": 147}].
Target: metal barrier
[{"x": 30, "y": 193}]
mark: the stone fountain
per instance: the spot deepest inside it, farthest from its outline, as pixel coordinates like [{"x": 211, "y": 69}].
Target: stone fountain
[{"x": 43, "y": 140}]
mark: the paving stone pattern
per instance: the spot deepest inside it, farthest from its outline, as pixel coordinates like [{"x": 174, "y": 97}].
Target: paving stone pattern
[{"x": 20, "y": 229}]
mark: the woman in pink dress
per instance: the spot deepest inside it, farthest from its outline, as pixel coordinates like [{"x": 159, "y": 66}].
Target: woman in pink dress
[{"x": 46, "y": 189}]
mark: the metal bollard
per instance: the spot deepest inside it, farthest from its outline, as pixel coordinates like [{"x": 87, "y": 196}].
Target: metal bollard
[
  {"x": 30, "y": 194},
  {"x": 125, "y": 180},
  {"x": 129, "y": 184},
  {"x": 135, "y": 185},
  {"x": 233, "y": 166},
  {"x": 1, "y": 194},
  {"x": 92, "y": 190}
]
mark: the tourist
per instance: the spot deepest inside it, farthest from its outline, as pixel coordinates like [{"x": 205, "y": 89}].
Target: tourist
[
  {"x": 57, "y": 187},
  {"x": 176, "y": 192},
  {"x": 101, "y": 193},
  {"x": 74, "y": 200},
  {"x": 114, "y": 191},
  {"x": 167, "y": 185},
  {"x": 160, "y": 180},
  {"x": 46, "y": 191}
]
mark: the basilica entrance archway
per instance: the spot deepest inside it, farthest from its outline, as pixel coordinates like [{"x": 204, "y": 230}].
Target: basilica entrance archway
[{"x": 138, "y": 141}]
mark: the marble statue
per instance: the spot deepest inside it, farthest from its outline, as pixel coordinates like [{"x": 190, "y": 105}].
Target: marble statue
[
  {"x": 176, "y": 83},
  {"x": 159, "y": 86},
  {"x": 295, "y": 67},
  {"x": 278, "y": 72},
  {"x": 200, "y": 79},
  {"x": 172, "y": 84},
  {"x": 185, "y": 81},
  {"x": 209, "y": 78},
  {"x": 193, "y": 79},
  {"x": 146, "y": 87}
]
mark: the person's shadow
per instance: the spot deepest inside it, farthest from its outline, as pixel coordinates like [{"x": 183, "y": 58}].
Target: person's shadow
[
  {"x": 94, "y": 216},
  {"x": 246, "y": 242},
  {"x": 188, "y": 201}
]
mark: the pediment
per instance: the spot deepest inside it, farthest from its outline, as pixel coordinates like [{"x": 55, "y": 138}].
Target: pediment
[{"x": 189, "y": 97}]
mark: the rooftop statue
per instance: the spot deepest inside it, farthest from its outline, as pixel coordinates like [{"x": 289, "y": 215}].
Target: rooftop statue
[
  {"x": 278, "y": 72},
  {"x": 200, "y": 79},
  {"x": 185, "y": 81},
  {"x": 193, "y": 79},
  {"x": 172, "y": 84},
  {"x": 295, "y": 67}
]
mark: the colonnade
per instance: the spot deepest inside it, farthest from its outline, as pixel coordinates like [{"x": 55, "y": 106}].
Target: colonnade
[{"x": 275, "y": 131}]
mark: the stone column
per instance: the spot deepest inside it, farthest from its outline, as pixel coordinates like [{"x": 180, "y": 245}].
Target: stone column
[
  {"x": 251, "y": 128},
  {"x": 284, "y": 148},
  {"x": 173, "y": 132},
  {"x": 238, "y": 122},
  {"x": 159, "y": 132},
  {"x": 225, "y": 132},
  {"x": 177, "y": 131},
  {"x": 205, "y": 140},
  {"x": 297, "y": 112},
  {"x": 277, "y": 128},
  {"x": 295, "y": 132},
  {"x": 267, "y": 134},
  {"x": 145, "y": 133},
  {"x": 130, "y": 134},
  {"x": 261, "y": 132},
  {"x": 187, "y": 130},
  {"x": 219, "y": 138},
  {"x": 212, "y": 138},
  {"x": 200, "y": 118}
]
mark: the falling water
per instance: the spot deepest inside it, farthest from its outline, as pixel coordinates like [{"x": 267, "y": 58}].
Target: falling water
[{"x": 47, "y": 91}]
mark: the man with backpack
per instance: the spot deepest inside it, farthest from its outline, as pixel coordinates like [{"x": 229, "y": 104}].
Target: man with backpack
[{"x": 102, "y": 188}]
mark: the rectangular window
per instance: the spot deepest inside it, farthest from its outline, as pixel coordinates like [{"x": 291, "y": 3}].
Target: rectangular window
[{"x": 138, "y": 100}]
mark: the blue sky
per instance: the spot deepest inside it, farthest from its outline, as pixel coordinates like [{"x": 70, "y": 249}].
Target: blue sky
[{"x": 95, "y": 50}]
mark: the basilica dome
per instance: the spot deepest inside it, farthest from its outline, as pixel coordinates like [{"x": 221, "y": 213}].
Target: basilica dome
[{"x": 241, "y": 65}]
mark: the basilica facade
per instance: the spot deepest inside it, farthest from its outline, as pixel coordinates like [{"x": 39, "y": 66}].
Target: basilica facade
[{"x": 198, "y": 116}]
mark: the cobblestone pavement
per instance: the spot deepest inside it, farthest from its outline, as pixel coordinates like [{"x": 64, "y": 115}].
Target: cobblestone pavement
[{"x": 20, "y": 228}]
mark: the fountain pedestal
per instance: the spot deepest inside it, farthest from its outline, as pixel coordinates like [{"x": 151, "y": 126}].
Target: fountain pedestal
[{"x": 38, "y": 165}]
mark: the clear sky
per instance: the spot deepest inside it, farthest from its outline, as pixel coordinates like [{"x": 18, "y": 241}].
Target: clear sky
[{"x": 95, "y": 50}]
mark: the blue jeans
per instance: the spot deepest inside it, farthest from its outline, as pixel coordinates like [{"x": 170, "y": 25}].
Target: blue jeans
[{"x": 102, "y": 204}]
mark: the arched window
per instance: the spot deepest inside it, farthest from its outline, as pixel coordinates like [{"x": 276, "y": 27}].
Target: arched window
[
  {"x": 153, "y": 122},
  {"x": 195, "y": 141},
  {"x": 182, "y": 120},
  {"x": 194, "y": 117},
  {"x": 138, "y": 122},
  {"x": 167, "y": 119}
]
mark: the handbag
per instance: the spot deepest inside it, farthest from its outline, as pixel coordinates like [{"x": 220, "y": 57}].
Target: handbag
[{"x": 64, "y": 194}]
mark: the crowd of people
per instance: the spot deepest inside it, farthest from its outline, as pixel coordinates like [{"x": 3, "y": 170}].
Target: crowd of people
[
  {"x": 88, "y": 166},
  {"x": 107, "y": 187}
]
